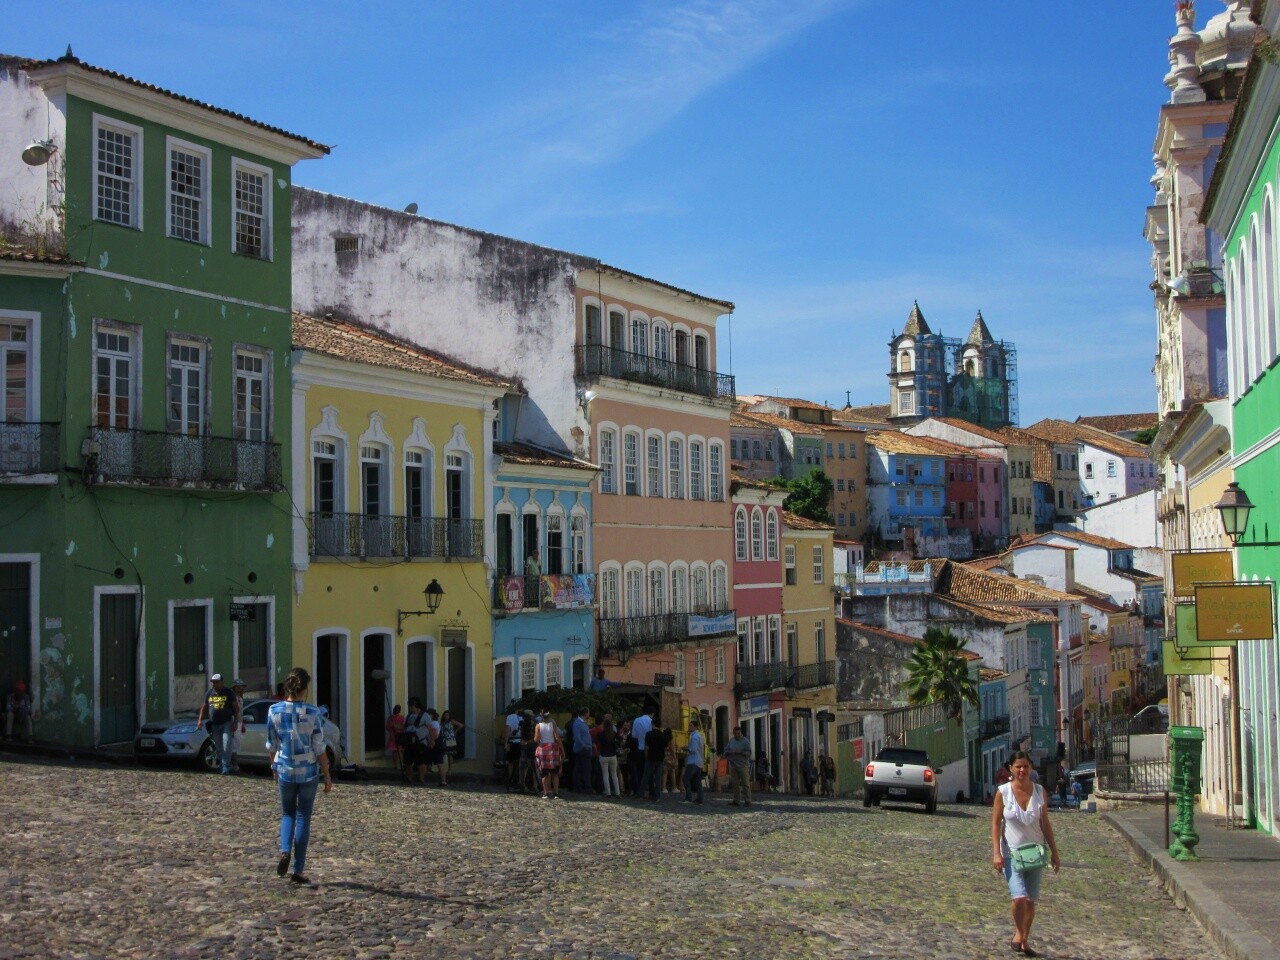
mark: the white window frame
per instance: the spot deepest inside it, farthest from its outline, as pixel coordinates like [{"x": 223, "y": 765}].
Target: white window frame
[
  {"x": 633, "y": 591},
  {"x": 553, "y": 671},
  {"x": 675, "y": 468},
  {"x": 700, "y": 668},
  {"x": 696, "y": 470},
  {"x": 238, "y": 165},
  {"x": 740, "y": 534},
  {"x": 819, "y": 564},
  {"x": 578, "y": 542},
  {"x": 678, "y": 669},
  {"x": 631, "y": 463},
  {"x": 200, "y": 367},
  {"x": 720, "y": 665},
  {"x": 526, "y": 665},
  {"x": 101, "y": 122},
  {"x": 653, "y": 444},
  {"x": 757, "y": 534},
  {"x": 29, "y": 347},
  {"x": 771, "y": 535},
  {"x": 715, "y": 471},
  {"x": 656, "y": 584},
  {"x": 200, "y": 200},
  {"x": 134, "y": 355},
  {"x": 608, "y": 460},
  {"x": 610, "y": 584},
  {"x": 239, "y": 380}
]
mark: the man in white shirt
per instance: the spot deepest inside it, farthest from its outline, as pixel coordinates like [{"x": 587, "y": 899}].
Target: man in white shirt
[{"x": 640, "y": 728}]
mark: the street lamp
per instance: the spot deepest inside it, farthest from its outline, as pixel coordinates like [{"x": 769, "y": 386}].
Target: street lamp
[
  {"x": 1234, "y": 508},
  {"x": 434, "y": 594}
]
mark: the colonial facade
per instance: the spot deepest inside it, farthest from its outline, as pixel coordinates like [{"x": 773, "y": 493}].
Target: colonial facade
[{"x": 144, "y": 333}]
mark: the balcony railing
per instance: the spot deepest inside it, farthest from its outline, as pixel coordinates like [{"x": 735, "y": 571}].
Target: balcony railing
[
  {"x": 759, "y": 677},
  {"x": 995, "y": 726},
  {"x": 596, "y": 360},
  {"x": 564, "y": 591},
  {"x": 176, "y": 459},
  {"x": 28, "y": 448},
  {"x": 360, "y": 535},
  {"x": 619, "y": 635}
]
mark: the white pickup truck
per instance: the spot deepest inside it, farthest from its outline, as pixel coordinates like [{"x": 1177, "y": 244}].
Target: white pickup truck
[{"x": 900, "y": 774}]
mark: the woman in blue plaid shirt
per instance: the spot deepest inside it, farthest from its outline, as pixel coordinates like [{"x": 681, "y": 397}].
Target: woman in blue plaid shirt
[{"x": 295, "y": 743}]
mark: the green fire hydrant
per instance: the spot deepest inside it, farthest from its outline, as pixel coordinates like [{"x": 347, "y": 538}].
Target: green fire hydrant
[{"x": 1186, "y": 744}]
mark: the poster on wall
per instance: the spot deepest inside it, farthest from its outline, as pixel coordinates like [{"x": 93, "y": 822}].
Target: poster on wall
[
  {"x": 1228, "y": 612},
  {"x": 710, "y": 626},
  {"x": 568, "y": 591},
  {"x": 1206, "y": 566},
  {"x": 513, "y": 593}
]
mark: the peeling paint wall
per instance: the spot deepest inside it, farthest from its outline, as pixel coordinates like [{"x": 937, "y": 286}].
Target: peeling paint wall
[
  {"x": 498, "y": 303},
  {"x": 29, "y": 196}
]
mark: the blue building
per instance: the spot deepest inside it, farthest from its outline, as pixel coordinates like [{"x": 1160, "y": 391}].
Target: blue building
[
  {"x": 543, "y": 588},
  {"x": 995, "y": 745},
  {"x": 906, "y": 488}
]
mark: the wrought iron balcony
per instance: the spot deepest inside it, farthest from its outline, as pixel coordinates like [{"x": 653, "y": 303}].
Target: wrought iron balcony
[
  {"x": 406, "y": 538},
  {"x": 27, "y": 449},
  {"x": 759, "y": 677},
  {"x": 527, "y": 594},
  {"x": 596, "y": 360},
  {"x": 995, "y": 726},
  {"x": 621, "y": 635},
  {"x": 177, "y": 459}
]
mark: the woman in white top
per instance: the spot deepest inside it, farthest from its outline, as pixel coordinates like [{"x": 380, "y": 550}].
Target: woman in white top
[
  {"x": 1020, "y": 814},
  {"x": 548, "y": 754}
]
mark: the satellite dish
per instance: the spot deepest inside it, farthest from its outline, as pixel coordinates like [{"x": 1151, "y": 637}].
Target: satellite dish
[{"x": 411, "y": 208}]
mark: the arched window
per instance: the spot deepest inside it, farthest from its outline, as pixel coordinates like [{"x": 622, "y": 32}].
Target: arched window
[
  {"x": 904, "y": 361},
  {"x": 715, "y": 471},
  {"x": 633, "y": 585},
  {"x": 719, "y": 587},
  {"x": 610, "y": 591},
  {"x": 771, "y": 536},
  {"x": 631, "y": 463},
  {"x": 696, "y": 468},
  {"x": 657, "y": 591},
  {"x": 608, "y": 461},
  {"x": 1255, "y": 307},
  {"x": 653, "y": 464},
  {"x": 675, "y": 468},
  {"x": 740, "y": 534},
  {"x": 679, "y": 589},
  {"x": 757, "y": 534},
  {"x": 701, "y": 588},
  {"x": 591, "y": 334}
]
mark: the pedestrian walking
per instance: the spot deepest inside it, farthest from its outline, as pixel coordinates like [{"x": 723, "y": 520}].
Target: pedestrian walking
[
  {"x": 672, "y": 776},
  {"x": 693, "y": 764},
  {"x": 738, "y": 753},
  {"x": 450, "y": 732},
  {"x": 223, "y": 712},
  {"x": 1022, "y": 845},
  {"x": 655, "y": 761},
  {"x": 764, "y": 780},
  {"x": 395, "y": 727},
  {"x": 295, "y": 744},
  {"x": 827, "y": 768},
  {"x": 640, "y": 729}
]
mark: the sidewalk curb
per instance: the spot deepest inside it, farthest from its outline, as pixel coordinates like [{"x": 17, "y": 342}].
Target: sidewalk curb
[{"x": 1230, "y": 932}]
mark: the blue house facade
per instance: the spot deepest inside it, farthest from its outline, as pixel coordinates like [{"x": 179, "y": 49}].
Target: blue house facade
[
  {"x": 995, "y": 746},
  {"x": 906, "y": 487},
  {"x": 543, "y": 588}
]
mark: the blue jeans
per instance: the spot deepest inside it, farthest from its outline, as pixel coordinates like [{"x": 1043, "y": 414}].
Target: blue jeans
[
  {"x": 221, "y": 734},
  {"x": 692, "y": 782},
  {"x": 582, "y": 771},
  {"x": 296, "y": 801}
]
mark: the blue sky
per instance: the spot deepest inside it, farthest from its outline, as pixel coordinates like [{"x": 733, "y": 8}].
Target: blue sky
[{"x": 821, "y": 163}]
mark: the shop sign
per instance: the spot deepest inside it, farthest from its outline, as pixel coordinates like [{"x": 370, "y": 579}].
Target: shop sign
[
  {"x": 711, "y": 626},
  {"x": 664, "y": 679},
  {"x": 243, "y": 612},
  {"x": 513, "y": 593},
  {"x": 1192, "y": 662},
  {"x": 826, "y": 716},
  {"x": 802, "y": 711},
  {"x": 1229, "y": 612},
  {"x": 1184, "y": 620},
  {"x": 1210, "y": 566}
]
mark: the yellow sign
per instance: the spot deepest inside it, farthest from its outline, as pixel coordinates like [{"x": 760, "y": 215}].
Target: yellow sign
[
  {"x": 1229, "y": 612},
  {"x": 1212, "y": 566},
  {"x": 1191, "y": 663}
]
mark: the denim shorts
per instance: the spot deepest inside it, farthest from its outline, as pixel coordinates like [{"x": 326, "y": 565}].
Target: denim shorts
[{"x": 1022, "y": 883}]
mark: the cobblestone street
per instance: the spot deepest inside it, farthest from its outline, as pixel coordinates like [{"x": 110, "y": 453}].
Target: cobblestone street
[{"x": 106, "y": 861}]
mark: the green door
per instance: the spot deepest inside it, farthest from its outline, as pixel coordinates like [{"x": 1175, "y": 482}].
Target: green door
[
  {"x": 15, "y": 625},
  {"x": 118, "y": 665}
]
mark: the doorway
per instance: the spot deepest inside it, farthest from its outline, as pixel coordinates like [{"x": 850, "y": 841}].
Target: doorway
[
  {"x": 190, "y": 642},
  {"x": 118, "y": 636},
  {"x": 722, "y": 730},
  {"x": 457, "y": 699},
  {"x": 377, "y": 693},
  {"x": 15, "y": 625},
  {"x": 502, "y": 674},
  {"x": 505, "y": 545},
  {"x": 327, "y": 686}
]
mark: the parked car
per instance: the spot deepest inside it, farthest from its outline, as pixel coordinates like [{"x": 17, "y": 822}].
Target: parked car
[
  {"x": 900, "y": 774},
  {"x": 181, "y": 739}
]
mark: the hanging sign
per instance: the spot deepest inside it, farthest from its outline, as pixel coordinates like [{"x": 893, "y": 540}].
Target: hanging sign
[
  {"x": 1185, "y": 633},
  {"x": 1229, "y": 612},
  {"x": 1193, "y": 662},
  {"x": 243, "y": 612},
  {"x": 1210, "y": 566}
]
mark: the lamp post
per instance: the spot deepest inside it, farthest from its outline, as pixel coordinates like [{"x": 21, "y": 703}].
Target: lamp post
[
  {"x": 434, "y": 594},
  {"x": 1234, "y": 509}
]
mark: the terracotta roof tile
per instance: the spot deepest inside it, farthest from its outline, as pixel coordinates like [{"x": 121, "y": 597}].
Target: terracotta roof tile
[
  {"x": 1060, "y": 431},
  {"x": 1079, "y": 536},
  {"x": 35, "y": 66},
  {"x": 795, "y": 402},
  {"x": 913, "y": 566},
  {"x": 359, "y": 343},
  {"x": 998, "y": 613},
  {"x": 796, "y": 522},
  {"x": 879, "y": 632},
  {"x": 527, "y": 453},
  {"x": 1116, "y": 422},
  {"x": 870, "y": 413},
  {"x": 23, "y": 252},
  {"x": 976, "y": 430},
  {"x": 893, "y": 442},
  {"x": 987, "y": 675},
  {"x": 782, "y": 423},
  {"x": 977, "y": 586}
]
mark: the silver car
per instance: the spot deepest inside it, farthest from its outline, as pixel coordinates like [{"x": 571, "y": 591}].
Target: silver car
[{"x": 181, "y": 739}]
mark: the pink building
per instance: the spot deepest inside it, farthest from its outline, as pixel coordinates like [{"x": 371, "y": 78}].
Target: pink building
[{"x": 661, "y": 521}]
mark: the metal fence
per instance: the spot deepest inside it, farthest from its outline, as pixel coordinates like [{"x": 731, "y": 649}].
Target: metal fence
[
  {"x": 153, "y": 456},
  {"x": 1122, "y": 766},
  {"x": 595, "y": 360},
  {"x": 361, "y": 535}
]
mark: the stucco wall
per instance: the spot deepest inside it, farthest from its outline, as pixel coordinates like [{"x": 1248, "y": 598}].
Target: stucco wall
[
  {"x": 491, "y": 301},
  {"x": 1130, "y": 520},
  {"x": 27, "y": 193}
]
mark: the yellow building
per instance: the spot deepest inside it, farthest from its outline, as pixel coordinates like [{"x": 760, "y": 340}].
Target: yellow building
[
  {"x": 392, "y": 445},
  {"x": 809, "y": 637}
]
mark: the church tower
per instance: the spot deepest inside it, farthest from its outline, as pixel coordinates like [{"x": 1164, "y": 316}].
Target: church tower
[
  {"x": 917, "y": 371},
  {"x": 979, "y": 390}
]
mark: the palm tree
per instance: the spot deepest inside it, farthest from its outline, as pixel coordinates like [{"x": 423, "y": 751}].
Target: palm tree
[{"x": 938, "y": 673}]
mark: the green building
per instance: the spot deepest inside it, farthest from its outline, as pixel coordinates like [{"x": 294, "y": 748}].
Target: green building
[
  {"x": 145, "y": 330},
  {"x": 1241, "y": 206}
]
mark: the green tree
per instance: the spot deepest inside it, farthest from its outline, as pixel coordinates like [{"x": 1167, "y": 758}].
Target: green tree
[
  {"x": 810, "y": 496},
  {"x": 938, "y": 672},
  {"x": 1146, "y": 436}
]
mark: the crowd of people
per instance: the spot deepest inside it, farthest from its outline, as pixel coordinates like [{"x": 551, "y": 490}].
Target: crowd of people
[{"x": 424, "y": 742}]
